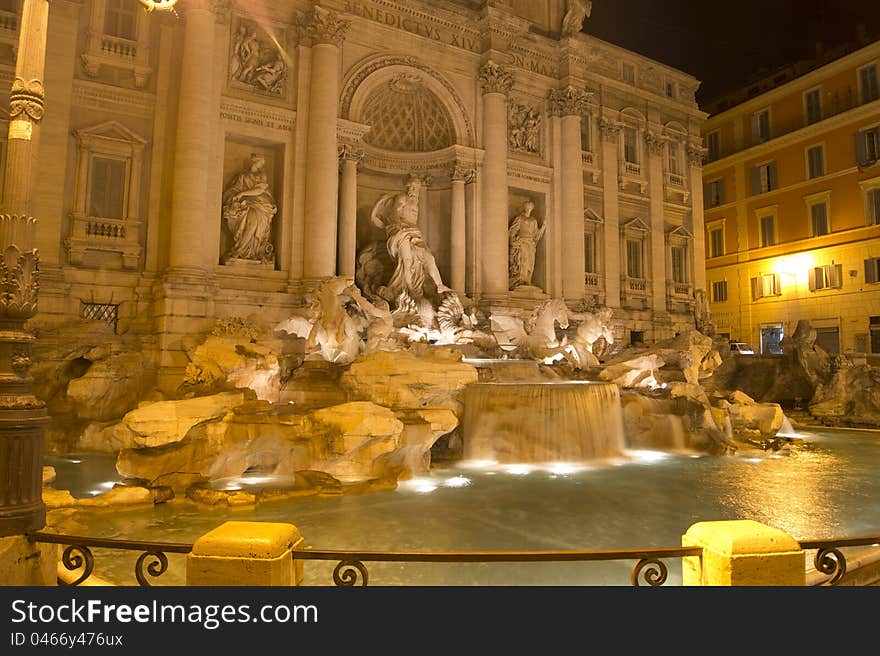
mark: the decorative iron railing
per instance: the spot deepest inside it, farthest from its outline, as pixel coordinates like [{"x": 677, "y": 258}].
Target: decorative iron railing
[
  {"x": 350, "y": 570},
  {"x": 78, "y": 554},
  {"x": 350, "y": 566},
  {"x": 829, "y": 558}
]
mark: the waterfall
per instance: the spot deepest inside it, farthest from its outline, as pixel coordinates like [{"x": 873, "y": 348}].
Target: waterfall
[{"x": 542, "y": 422}]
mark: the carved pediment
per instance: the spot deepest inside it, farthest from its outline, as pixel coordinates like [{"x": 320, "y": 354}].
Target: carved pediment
[
  {"x": 111, "y": 131},
  {"x": 679, "y": 234},
  {"x": 592, "y": 217},
  {"x": 636, "y": 225}
]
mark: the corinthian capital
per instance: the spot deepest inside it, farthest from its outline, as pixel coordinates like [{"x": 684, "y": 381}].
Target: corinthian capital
[
  {"x": 568, "y": 101},
  {"x": 654, "y": 142},
  {"x": 461, "y": 173},
  {"x": 609, "y": 129},
  {"x": 495, "y": 78},
  {"x": 696, "y": 154},
  {"x": 321, "y": 26}
]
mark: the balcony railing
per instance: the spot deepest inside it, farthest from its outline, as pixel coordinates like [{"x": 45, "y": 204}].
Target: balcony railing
[
  {"x": 350, "y": 570},
  {"x": 637, "y": 285},
  {"x": 117, "y": 47},
  {"x": 631, "y": 168},
  {"x": 587, "y": 158},
  {"x": 8, "y": 21},
  {"x": 591, "y": 279},
  {"x": 674, "y": 179}
]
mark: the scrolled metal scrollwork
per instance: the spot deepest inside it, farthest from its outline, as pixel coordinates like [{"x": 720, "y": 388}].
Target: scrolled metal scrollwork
[
  {"x": 832, "y": 562},
  {"x": 74, "y": 557},
  {"x": 155, "y": 569},
  {"x": 346, "y": 573},
  {"x": 655, "y": 575}
]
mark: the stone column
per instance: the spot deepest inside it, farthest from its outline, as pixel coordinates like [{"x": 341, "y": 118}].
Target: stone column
[
  {"x": 190, "y": 218},
  {"x": 325, "y": 32},
  {"x": 496, "y": 83},
  {"x": 23, "y": 417},
  {"x": 695, "y": 159},
  {"x": 424, "y": 207},
  {"x": 458, "y": 228},
  {"x": 569, "y": 104},
  {"x": 611, "y": 259},
  {"x": 654, "y": 151},
  {"x": 347, "y": 243}
]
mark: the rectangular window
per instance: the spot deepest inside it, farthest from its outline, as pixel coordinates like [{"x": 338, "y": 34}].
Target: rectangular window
[
  {"x": 872, "y": 215},
  {"x": 768, "y": 231},
  {"x": 868, "y": 146},
  {"x": 816, "y": 161},
  {"x": 630, "y": 145},
  {"x": 813, "y": 106},
  {"x": 872, "y": 270},
  {"x": 629, "y": 73},
  {"x": 766, "y": 285},
  {"x": 672, "y": 154},
  {"x": 634, "y": 258},
  {"x": 761, "y": 126},
  {"x": 120, "y": 19},
  {"x": 716, "y": 242},
  {"x": 670, "y": 89},
  {"x": 586, "y": 141},
  {"x": 869, "y": 90},
  {"x": 714, "y": 193},
  {"x": 719, "y": 291},
  {"x": 589, "y": 253},
  {"x": 829, "y": 276},
  {"x": 713, "y": 144},
  {"x": 107, "y": 188},
  {"x": 874, "y": 327},
  {"x": 764, "y": 178},
  {"x": 819, "y": 219},
  {"x": 679, "y": 264}
]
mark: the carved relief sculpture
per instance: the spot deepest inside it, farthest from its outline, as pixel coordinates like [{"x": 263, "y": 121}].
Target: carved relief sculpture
[
  {"x": 524, "y": 234},
  {"x": 253, "y": 62},
  {"x": 524, "y": 131},
  {"x": 576, "y": 12},
  {"x": 248, "y": 210}
]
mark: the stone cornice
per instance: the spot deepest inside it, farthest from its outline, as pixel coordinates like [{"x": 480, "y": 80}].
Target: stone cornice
[
  {"x": 439, "y": 162},
  {"x": 349, "y": 132}
]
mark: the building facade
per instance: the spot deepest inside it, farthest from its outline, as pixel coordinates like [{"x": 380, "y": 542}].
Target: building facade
[
  {"x": 221, "y": 160},
  {"x": 792, "y": 196}
]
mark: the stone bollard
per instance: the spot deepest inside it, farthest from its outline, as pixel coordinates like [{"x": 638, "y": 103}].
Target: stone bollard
[
  {"x": 741, "y": 553},
  {"x": 246, "y": 554}
]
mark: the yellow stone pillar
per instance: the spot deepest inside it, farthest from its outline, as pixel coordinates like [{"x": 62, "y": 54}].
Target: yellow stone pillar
[
  {"x": 458, "y": 228},
  {"x": 246, "y": 554},
  {"x": 742, "y": 553},
  {"x": 347, "y": 242}
]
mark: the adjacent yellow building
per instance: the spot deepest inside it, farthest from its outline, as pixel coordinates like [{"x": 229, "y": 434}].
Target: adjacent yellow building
[{"x": 792, "y": 198}]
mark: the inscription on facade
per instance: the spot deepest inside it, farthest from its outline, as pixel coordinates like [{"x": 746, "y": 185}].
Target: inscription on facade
[
  {"x": 241, "y": 113},
  {"x": 413, "y": 25}
]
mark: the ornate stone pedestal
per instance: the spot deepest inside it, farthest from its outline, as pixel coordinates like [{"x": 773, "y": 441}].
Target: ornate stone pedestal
[{"x": 249, "y": 265}]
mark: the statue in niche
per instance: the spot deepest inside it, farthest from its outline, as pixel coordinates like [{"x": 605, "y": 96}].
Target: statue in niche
[
  {"x": 524, "y": 234},
  {"x": 525, "y": 127},
  {"x": 576, "y": 12},
  {"x": 402, "y": 272},
  {"x": 248, "y": 210}
]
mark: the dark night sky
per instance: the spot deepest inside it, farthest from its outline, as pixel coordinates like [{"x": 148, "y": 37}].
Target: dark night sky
[{"x": 722, "y": 42}]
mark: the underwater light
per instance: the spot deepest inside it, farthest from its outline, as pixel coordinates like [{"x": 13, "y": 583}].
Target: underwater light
[
  {"x": 518, "y": 470},
  {"x": 457, "y": 481}
]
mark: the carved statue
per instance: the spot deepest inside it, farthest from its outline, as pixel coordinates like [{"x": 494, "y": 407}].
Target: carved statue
[
  {"x": 702, "y": 315},
  {"x": 254, "y": 63},
  {"x": 248, "y": 210},
  {"x": 593, "y": 327},
  {"x": 536, "y": 337},
  {"x": 576, "y": 12},
  {"x": 415, "y": 278},
  {"x": 524, "y": 234}
]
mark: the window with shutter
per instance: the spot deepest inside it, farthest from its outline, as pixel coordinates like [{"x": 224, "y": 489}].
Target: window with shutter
[
  {"x": 713, "y": 145},
  {"x": 630, "y": 146},
  {"x": 719, "y": 291},
  {"x": 634, "y": 258},
  {"x": 819, "y": 219},
  {"x": 768, "y": 231},
  {"x": 107, "y": 188},
  {"x": 868, "y": 146},
  {"x": 872, "y": 270},
  {"x": 679, "y": 264},
  {"x": 716, "y": 242},
  {"x": 589, "y": 253},
  {"x": 120, "y": 18},
  {"x": 869, "y": 89},
  {"x": 816, "y": 161},
  {"x": 813, "y": 106},
  {"x": 872, "y": 215},
  {"x": 757, "y": 288},
  {"x": 761, "y": 126}
]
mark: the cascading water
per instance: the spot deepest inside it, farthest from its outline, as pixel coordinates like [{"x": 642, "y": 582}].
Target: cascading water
[{"x": 542, "y": 421}]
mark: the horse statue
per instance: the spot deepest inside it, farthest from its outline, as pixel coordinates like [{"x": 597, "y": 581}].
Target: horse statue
[
  {"x": 535, "y": 337},
  {"x": 594, "y": 326}
]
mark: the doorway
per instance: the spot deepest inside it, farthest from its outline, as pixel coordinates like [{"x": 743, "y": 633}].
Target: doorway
[{"x": 771, "y": 339}]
